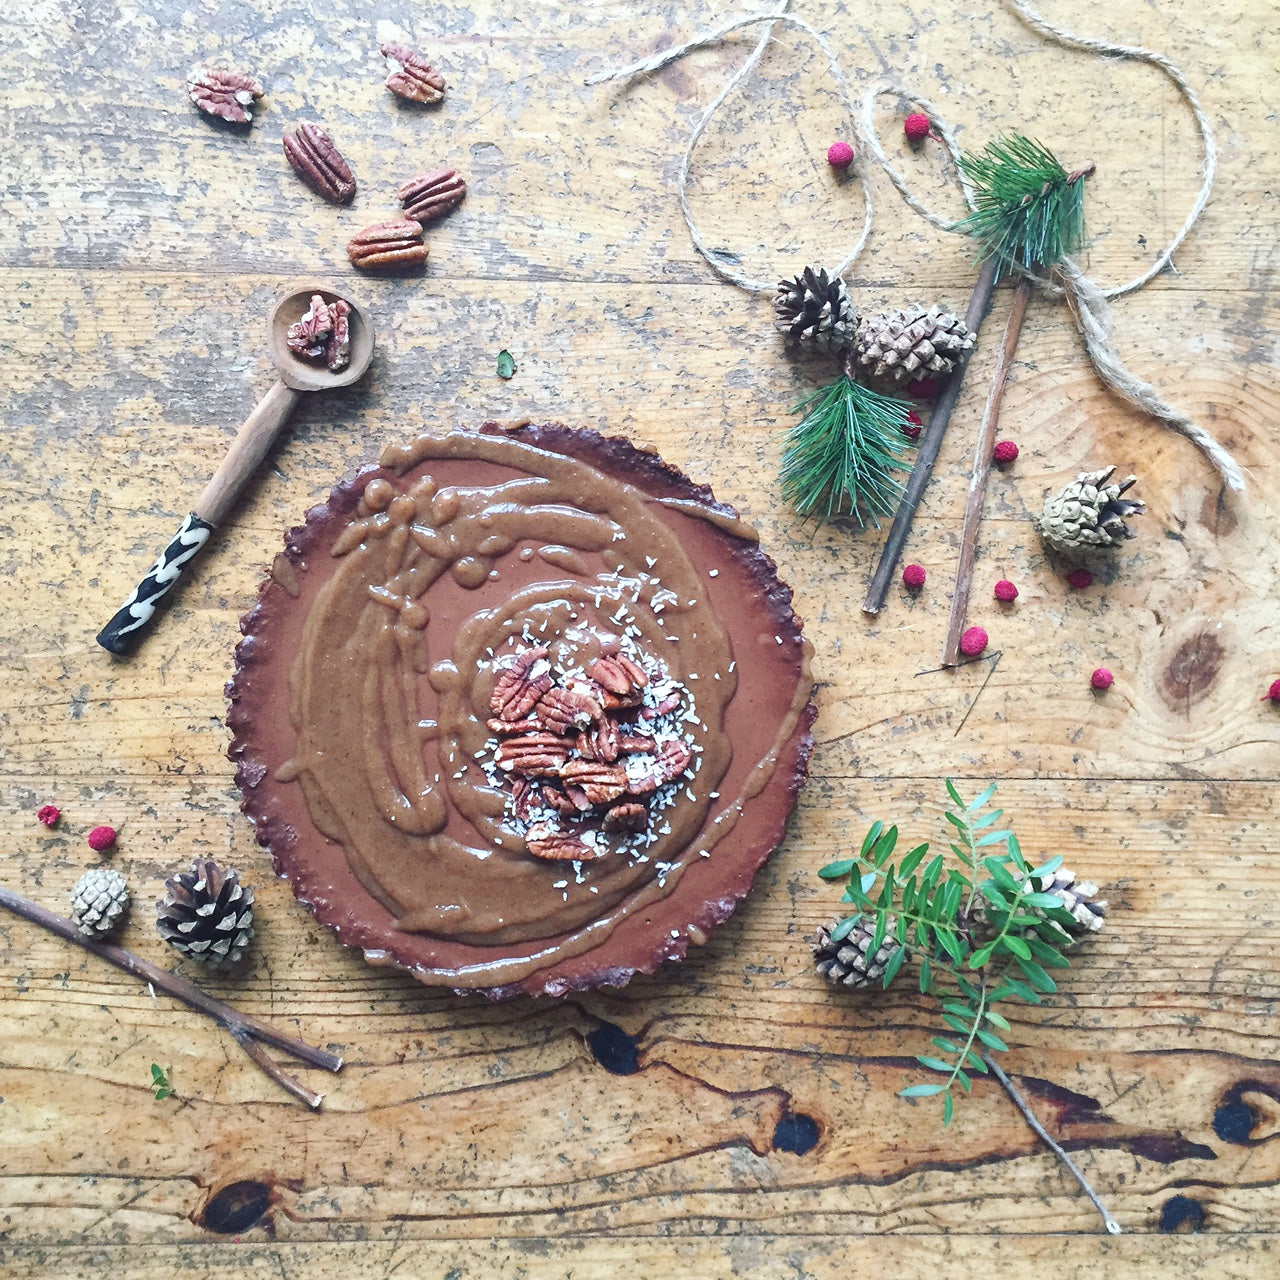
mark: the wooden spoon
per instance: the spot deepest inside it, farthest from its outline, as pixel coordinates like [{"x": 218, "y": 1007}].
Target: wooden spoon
[{"x": 249, "y": 447}]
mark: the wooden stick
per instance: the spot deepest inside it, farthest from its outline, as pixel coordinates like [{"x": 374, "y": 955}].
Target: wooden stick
[
  {"x": 982, "y": 469},
  {"x": 979, "y": 305},
  {"x": 245, "y": 1029}
]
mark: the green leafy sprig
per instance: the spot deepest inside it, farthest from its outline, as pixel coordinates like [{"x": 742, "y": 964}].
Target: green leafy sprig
[
  {"x": 161, "y": 1081},
  {"x": 841, "y": 456},
  {"x": 977, "y": 927},
  {"x": 1030, "y": 210}
]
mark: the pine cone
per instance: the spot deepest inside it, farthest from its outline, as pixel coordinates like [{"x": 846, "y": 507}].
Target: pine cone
[
  {"x": 897, "y": 347},
  {"x": 99, "y": 901},
  {"x": 207, "y": 914},
  {"x": 1089, "y": 512},
  {"x": 816, "y": 308},
  {"x": 1079, "y": 897},
  {"x": 846, "y": 963}
]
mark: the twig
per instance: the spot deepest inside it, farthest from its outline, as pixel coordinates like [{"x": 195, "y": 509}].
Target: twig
[
  {"x": 995, "y": 662},
  {"x": 1043, "y": 1134},
  {"x": 245, "y": 1029},
  {"x": 982, "y": 469},
  {"x": 979, "y": 305}
]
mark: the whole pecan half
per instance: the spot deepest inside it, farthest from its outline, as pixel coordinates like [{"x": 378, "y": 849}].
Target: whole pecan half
[
  {"x": 431, "y": 195},
  {"x": 618, "y": 675},
  {"x": 600, "y": 742},
  {"x": 556, "y": 845},
  {"x": 412, "y": 76},
  {"x": 673, "y": 759},
  {"x": 536, "y": 755},
  {"x": 600, "y": 783},
  {"x": 388, "y": 244},
  {"x": 318, "y": 162},
  {"x": 524, "y": 797},
  {"x": 633, "y": 743},
  {"x": 222, "y": 93},
  {"x": 505, "y": 728},
  {"x": 556, "y": 799},
  {"x": 519, "y": 685},
  {"x": 629, "y": 816},
  {"x": 565, "y": 710}
]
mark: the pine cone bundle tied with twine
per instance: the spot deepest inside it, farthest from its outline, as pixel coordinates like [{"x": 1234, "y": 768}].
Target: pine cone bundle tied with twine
[
  {"x": 99, "y": 901},
  {"x": 1089, "y": 512},
  {"x": 896, "y": 347},
  {"x": 207, "y": 914},
  {"x": 815, "y": 308},
  {"x": 1079, "y": 898},
  {"x": 847, "y": 963}
]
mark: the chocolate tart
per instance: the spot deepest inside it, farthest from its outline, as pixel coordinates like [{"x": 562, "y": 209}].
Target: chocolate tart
[{"x": 389, "y": 635}]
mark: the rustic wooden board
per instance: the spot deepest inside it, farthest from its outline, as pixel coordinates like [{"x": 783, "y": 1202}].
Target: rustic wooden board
[{"x": 731, "y": 1116}]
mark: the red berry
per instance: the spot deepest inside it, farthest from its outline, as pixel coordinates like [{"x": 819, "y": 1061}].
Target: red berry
[
  {"x": 1006, "y": 451},
  {"x": 1079, "y": 579},
  {"x": 973, "y": 642},
  {"x": 1273, "y": 694},
  {"x": 915, "y": 424},
  {"x": 913, "y": 577},
  {"x": 49, "y": 814},
  {"x": 917, "y": 126},
  {"x": 101, "y": 838},
  {"x": 1006, "y": 591},
  {"x": 1102, "y": 679},
  {"x": 840, "y": 155},
  {"x": 923, "y": 388},
  {"x": 912, "y": 433}
]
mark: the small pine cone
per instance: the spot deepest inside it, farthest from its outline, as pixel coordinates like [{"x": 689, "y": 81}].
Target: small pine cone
[
  {"x": 897, "y": 347},
  {"x": 207, "y": 914},
  {"x": 846, "y": 963},
  {"x": 816, "y": 308},
  {"x": 1089, "y": 512},
  {"x": 99, "y": 901},
  {"x": 1079, "y": 897}
]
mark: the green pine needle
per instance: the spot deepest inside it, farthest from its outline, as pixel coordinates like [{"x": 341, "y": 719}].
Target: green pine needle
[
  {"x": 1030, "y": 211},
  {"x": 841, "y": 456}
]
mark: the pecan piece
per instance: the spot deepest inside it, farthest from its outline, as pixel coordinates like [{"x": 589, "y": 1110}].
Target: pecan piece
[
  {"x": 550, "y": 842},
  {"x": 564, "y": 710},
  {"x": 323, "y": 333},
  {"x": 556, "y": 799},
  {"x": 673, "y": 759},
  {"x": 412, "y": 76},
  {"x": 519, "y": 686},
  {"x": 604, "y": 741},
  {"x": 431, "y": 195},
  {"x": 524, "y": 797},
  {"x": 536, "y": 755},
  {"x": 225, "y": 94},
  {"x": 600, "y": 783},
  {"x": 505, "y": 728},
  {"x": 628, "y": 816},
  {"x": 388, "y": 244},
  {"x": 618, "y": 675},
  {"x": 337, "y": 354},
  {"x": 664, "y": 707},
  {"x": 318, "y": 162},
  {"x": 632, "y": 743}
]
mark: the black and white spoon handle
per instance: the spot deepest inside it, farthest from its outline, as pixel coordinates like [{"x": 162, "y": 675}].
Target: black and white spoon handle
[{"x": 131, "y": 620}]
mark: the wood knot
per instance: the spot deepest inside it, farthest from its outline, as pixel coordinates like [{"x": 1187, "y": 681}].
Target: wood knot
[
  {"x": 237, "y": 1207},
  {"x": 1192, "y": 670}
]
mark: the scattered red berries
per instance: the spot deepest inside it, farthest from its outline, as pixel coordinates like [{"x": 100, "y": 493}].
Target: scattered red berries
[
  {"x": 917, "y": 126},
  {"x": 1005, "y": 452},
  {"x": 101, "y": 838},
  {"x": 915, "y": 424},
  {"x": 840, "y": 155},
  {"x": 1272, "y": 695},
  {"x": 1006, "y": 592},
  {"x": 973, "y": 642},
  {"x": 913, "y": 577},
  {"x": 49, "y": 814},
  {"x": 1102, "y": 679},
  {"x": 923, "y": 388},
  {"x": 1079, "y": 579}
]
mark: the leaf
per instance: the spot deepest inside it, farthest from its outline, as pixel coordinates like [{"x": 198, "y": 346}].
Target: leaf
[
  {"x": 506, "y": 364},
  {"x": 986, "y": 820},
  {"x": 950, "y": 944},
  {"x": 877, "y": 937},
  {"x": 913, "y": 860},
  {"x": 844, "y": 928},
  {"x": 962, "y": 854},
  {"x": 873, "y": 834},
  {"x": 981, "y": 801},
  {"x": 838, "y": 870},
  {"x": 926, "y": 976},
  {"x": 894, "y": 967},
  {"x": 994, "y": 837},
  {"x": 1047, "y": 954},
  {"x": 993, "y": 895},
  {"x": 965, "y": 1083},
  {"x": 992, "y": 1041},
  {"x": 1021, "y": 990},
  {"x": 934, "y": 1064},
  {"x": 1047, "y": 900},
  {"x": 959, "y": 823},
  {"x": 1017, "y": 946},
  {"x": 976, "y": 1063},
  {"x": 997, "y": 1019},
  {"x": 947, "y": 1046},
  {"x": 1038, "y": 977},
  {"x": 979, "y": 958},
  {"x": 1002, "y": 875},
  {"x": 1048, "y": 868},
  {"x": 958, "y": 1024},
  {"x": 884, "y": 847},
  {"x": 869, "y": 881},
  {"x": 921, "y": 1090},
  {"x": 948, "y": 1109},
  {"x": 1015, "y": 852},
  {"x": 953, "y": 793},
  {"x": 161, "y": 1081}
]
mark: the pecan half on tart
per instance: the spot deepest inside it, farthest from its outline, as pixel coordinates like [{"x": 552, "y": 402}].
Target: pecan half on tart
[{"x": 521, "y": 711}]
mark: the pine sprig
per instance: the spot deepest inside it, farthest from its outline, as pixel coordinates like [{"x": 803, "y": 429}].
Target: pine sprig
[
  {"x": 980, "y": 926},
  {"x": 1030, "y": 210},
  {"x": 841, "y": 456}
]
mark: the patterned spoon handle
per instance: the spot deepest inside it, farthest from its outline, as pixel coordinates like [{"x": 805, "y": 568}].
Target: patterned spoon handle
[{"x": 129, "y": 625}]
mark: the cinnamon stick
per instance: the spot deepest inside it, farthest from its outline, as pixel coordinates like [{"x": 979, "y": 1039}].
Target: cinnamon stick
[{"x": 246, "y": 1030}]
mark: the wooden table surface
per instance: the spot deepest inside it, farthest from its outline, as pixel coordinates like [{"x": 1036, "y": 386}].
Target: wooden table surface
[{"x": 759, "y": 1135}]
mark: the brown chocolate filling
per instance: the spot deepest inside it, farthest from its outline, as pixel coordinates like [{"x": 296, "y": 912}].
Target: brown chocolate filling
[{"x": 460, "y": 547}]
